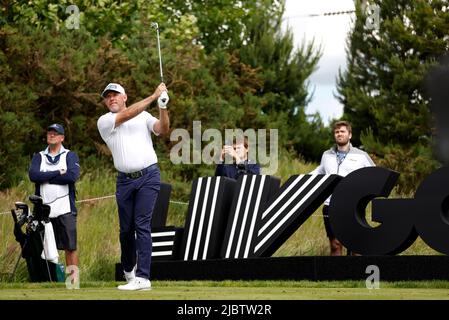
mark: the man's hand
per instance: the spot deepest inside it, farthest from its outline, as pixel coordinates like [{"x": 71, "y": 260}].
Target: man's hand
[
  {"x": 163, "y": 100},
  {"x": 231, "y": 151},
  {"x": 160, "y": 88}
]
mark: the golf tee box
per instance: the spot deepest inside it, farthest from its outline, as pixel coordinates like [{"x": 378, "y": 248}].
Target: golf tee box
[{"x": 312, "y": 268}]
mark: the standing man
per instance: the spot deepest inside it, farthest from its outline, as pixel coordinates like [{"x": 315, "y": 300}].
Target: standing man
[
  {"x": 127, "y": 133},
  {"x": 54, "y": 172},
  {"x": 341, "y": 159}
]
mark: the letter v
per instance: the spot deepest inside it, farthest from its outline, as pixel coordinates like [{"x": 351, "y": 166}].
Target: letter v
[{"x": 263, "y": 216}]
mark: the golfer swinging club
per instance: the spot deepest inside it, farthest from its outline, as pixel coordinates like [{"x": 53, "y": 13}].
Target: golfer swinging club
[{"x": 127, "y": 133}]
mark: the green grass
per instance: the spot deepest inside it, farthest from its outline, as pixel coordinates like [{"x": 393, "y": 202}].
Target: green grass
[{"x": 231, "y": 290}]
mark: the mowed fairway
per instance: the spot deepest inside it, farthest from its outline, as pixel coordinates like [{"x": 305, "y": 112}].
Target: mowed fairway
[{"x": 230, "y": 290}]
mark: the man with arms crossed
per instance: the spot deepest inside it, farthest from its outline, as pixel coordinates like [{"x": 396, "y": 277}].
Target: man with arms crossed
[{"x": 54, "y": 172}]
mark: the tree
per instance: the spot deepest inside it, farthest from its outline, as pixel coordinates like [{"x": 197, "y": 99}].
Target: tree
[
  {"x": 285, "y": 89},
  {"x": 46, "y": 77},
  {"x": 383, "y": 89},
  {"x": 223, "y": 24},
  {"x": 53, "y": 73}
]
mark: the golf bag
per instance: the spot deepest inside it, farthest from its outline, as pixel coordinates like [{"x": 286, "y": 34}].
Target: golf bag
[{"x": 32, "y": 240}]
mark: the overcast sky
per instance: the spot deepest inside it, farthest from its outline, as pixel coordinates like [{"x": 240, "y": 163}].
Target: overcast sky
[{"x": 329, "y": 31}]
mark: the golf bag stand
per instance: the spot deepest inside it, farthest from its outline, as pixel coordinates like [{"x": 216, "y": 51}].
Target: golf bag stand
[{"x": 31, "y": 241}]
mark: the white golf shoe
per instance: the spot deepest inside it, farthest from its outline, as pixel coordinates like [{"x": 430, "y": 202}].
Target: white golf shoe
[
  {"x": 130, "y": 276},
  {"x": 136, "y": 284}
]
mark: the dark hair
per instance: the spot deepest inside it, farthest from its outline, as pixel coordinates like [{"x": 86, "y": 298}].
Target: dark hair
[
  {"x": 245, "y": 141},
  {"x": 342, "y": 123}
]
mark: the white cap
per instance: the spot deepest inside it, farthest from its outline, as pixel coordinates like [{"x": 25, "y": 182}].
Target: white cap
[{"x": 113, "y": 87}]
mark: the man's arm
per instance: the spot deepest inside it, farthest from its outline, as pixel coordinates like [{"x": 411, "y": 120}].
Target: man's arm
[
  {"x": 320, "y": 169},
  {"x": 162, "y": 126},
  {"x": 253, "y": 168},
  {"x": 369, "y": 161},
  {"x": 73, "y": 171},
  {"x": 220, "y": 170},
  {"x": 35, "y": 173},
  {"x": 135, "y": 109}
]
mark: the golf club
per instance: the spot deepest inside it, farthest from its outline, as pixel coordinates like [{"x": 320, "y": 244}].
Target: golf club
[
  {"x": 17, "y": 225},
  {"x": 163, "y": 99},
  {"x": 41, "y": 213},
  {"x": 156, "y": 26}
]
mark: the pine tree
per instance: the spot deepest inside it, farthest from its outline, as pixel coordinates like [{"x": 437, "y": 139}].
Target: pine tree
[
  {"x": 383, "y": 88},
  {"x": 245, "y": 75},
  {"x": 285, "y": 90}
]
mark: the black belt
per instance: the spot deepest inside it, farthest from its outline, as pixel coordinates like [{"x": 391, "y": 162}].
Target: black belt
[{"x": 137, "y": 174}]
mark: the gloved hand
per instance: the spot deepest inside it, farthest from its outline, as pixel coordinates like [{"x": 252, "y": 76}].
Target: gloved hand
[{"x": 163, "y": 100}]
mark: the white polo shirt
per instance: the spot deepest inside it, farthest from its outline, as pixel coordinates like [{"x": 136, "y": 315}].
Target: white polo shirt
[{"x": 130, "y": 143}]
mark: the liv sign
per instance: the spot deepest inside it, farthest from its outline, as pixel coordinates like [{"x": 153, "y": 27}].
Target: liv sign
[
  {"x": 254, "y": 216},
  {"x": 402, "y": 220}
]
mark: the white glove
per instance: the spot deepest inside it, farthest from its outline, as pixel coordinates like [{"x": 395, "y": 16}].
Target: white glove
[{"x": 163, "y": 100}]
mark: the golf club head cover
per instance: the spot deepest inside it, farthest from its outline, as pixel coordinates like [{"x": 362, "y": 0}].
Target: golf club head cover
[{"x": 163, "y": 100}]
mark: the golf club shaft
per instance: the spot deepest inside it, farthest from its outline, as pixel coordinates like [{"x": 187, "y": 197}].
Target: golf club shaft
[
  {"x": 45, "y": 255},
  {"x": 159, "y": 50}
]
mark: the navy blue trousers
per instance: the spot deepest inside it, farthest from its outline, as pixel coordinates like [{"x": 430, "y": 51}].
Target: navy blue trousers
[{"x": 135, "y": 201}]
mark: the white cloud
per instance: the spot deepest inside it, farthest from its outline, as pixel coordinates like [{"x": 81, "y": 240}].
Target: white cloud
[{"x": 331, "y": 33}]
